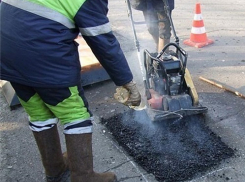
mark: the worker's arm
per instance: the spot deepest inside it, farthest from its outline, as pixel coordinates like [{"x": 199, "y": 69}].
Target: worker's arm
[{"x": 96, "y": 30}]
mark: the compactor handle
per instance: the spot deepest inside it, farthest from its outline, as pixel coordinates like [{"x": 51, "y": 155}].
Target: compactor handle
[
  {"x": 182, "y": 57},
  {"x": 182, "y": 51}
]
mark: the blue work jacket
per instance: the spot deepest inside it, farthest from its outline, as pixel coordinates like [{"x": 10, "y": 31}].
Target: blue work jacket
[{"x": 38, "y": 45}]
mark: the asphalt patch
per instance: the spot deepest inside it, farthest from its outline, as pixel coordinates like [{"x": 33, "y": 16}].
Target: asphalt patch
[{"x": 172, "y": 150}]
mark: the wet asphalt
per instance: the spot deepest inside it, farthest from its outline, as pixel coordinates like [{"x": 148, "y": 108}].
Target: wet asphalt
[{"x": 223, "y": 61}]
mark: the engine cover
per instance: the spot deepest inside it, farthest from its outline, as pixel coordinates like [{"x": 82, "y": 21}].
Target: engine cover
[{"x": 169, "y": 103}]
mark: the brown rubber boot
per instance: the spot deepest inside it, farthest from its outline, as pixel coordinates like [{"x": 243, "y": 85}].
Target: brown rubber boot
[
  {"x": 56, "y": 168},
  {"x": 79, "y": 150}
]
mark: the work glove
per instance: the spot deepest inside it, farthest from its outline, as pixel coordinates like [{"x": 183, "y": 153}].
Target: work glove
[{"x": 128, "y": 94}]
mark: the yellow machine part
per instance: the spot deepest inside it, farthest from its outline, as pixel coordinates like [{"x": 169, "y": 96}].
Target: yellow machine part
[{"x": 190, "y": 84}]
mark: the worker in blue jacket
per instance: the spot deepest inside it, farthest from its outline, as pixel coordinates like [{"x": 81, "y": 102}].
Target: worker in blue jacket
[
  {"x": 157, "y": 20},
  {"x": 39, "y": 56}
]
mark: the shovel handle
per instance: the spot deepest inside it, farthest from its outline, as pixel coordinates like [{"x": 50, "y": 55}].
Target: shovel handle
[{"x": 227, "y": 88}]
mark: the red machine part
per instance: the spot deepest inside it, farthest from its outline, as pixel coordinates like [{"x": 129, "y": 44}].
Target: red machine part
[{"x": 156, "y": 100}]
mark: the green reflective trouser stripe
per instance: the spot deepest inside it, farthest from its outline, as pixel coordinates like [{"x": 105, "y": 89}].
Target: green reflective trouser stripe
[
  {"x": 69, "y": 110},
  {"x": 37, "y": 109}
]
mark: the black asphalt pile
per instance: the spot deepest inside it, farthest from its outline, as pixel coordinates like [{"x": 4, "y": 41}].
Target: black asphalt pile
[{"x": 171, "y": 150}]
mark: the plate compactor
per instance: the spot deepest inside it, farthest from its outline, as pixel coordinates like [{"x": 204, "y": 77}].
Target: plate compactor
[
  {"x": 169, "y": 88},
  {"x": 168, "y": 85}
]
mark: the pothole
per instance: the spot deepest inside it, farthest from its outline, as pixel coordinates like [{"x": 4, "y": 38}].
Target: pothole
[{"x": 171, "y": 151}]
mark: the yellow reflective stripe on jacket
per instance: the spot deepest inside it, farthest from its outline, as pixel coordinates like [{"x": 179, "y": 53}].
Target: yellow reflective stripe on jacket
[
  {"x": 69, "y": 8},
  {"x": 42, "y": 11}
]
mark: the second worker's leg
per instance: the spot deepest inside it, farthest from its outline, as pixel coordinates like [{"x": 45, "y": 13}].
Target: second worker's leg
[
  {"x": 164, "y": 31},
  {"x": 152, "y": 25}
]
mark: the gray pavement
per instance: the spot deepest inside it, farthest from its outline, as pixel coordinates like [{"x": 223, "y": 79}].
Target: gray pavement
[{"x": 223, "y": 61}]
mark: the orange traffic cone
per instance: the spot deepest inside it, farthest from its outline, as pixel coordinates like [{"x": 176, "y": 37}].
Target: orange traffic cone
[{"x": 198, "y": 37}]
